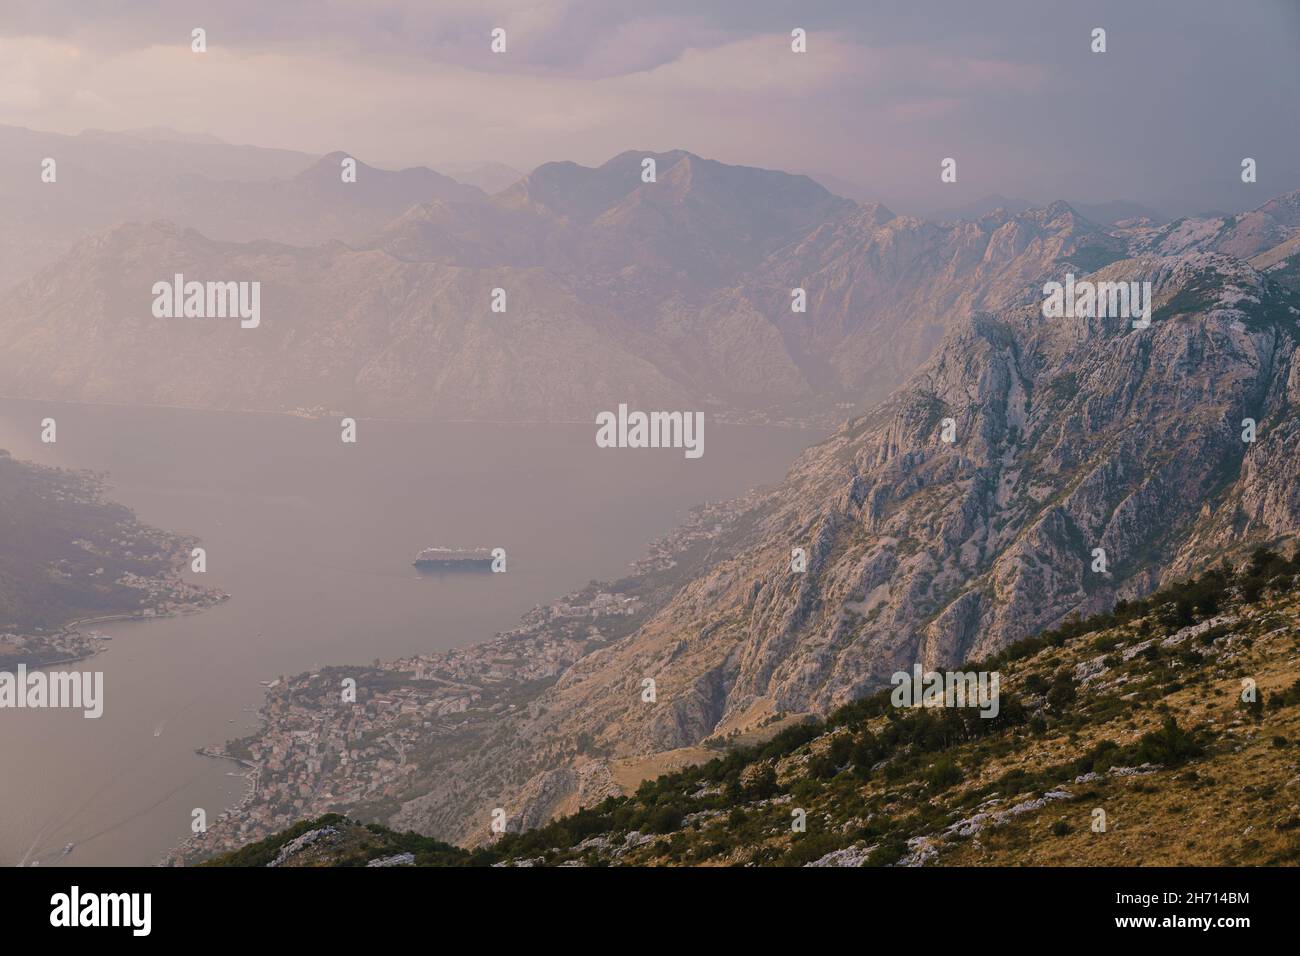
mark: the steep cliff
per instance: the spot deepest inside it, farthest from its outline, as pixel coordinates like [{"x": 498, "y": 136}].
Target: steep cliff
[{"x": 1073, "y": 438}]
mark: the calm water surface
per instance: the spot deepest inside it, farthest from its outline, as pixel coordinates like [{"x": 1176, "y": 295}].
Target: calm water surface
[{"x": 313, "y": 539}]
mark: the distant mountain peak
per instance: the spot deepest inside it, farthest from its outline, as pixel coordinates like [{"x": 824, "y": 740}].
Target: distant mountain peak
[
  {"x": 989, "y": 205},
  {"x": 326, "y": 173},
  {"x": 876, "y": 213},
  {"x": 1055, "y": 211}
]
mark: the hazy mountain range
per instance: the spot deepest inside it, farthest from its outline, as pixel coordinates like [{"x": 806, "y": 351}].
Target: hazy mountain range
[
  {"x": 1106, "y": 214},
  {"x": 236, "y": 193},
  {"x": 676, "y": 293}
]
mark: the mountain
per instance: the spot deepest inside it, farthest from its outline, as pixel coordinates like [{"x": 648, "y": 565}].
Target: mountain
[
  {"x": 1244, "y": 236},
  {"x": 340, "y": 328},
  {"x": 884, "y": 289},
  {"x": 699, "y": 221},
  {"x": 104, "y": 179},
  {"x": 135, "y": 155},
  {"x": 1091, "y": 462},
  {"x": 489, "y": 177},
  {"x": 237, "y": 193},
  {"x": 1072, "y": 435},
  {"x": 385, "y": 192},
  {"x": 683, "y": 286},
  {"x": 314, "y": 206},
  {"x": 1118, "y": 211},
  {"x": 981, "y": 208},
  {"x": 689, "y": 278},
  {"x": 1117, "y": 740},
  {"x": 1105, "y": 213}
]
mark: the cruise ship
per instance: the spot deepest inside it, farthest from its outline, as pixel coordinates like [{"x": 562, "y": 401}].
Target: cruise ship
[{"x": 454, "y": 559}]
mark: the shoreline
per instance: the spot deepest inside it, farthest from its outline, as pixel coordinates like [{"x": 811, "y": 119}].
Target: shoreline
[
  {"x": 73, "y": 629},
  {"x": 174, "y": 856},
  {"x": 218, "y": 754}
]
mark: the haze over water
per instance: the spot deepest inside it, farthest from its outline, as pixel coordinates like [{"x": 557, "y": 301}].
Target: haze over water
[{"x": 314, "y": 541}]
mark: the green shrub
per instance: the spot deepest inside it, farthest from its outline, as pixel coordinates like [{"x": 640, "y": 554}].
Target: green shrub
[
  {"x": 943, "y": 773},
  {"x": 1169, "y": 746}
]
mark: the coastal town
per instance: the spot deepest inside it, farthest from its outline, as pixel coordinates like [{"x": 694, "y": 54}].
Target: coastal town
[
  {"x": 359, "y": 737},
  {"x": 107, "y": 567},
  {"x": 362, "y": 739},
  {"x": 162, "y": 596}
]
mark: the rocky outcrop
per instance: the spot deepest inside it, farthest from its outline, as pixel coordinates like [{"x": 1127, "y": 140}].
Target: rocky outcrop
[{"x": 1091, "y": 460}]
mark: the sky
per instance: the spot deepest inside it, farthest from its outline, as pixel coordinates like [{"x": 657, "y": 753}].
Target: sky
[{"x": 885, "y": 91}]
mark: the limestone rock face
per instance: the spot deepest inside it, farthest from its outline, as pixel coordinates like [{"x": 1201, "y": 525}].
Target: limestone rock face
[{"x": 1091, "y": 460}]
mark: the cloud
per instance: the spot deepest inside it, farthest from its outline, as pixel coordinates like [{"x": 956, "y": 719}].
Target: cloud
[
  {"x": 760, "y": 66},
  {"x": 884, "y": 90},
  {"x": 19, "y": 97},
  {"x": 925, "y": 109},
  {"x": 644, "y": 43}
]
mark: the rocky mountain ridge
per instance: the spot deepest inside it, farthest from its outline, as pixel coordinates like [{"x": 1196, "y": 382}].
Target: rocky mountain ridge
[
  {"x": 1071, "y": 435},
  {"x": 676, "y": 293},
  {"x": 1090, "y": 461}
]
